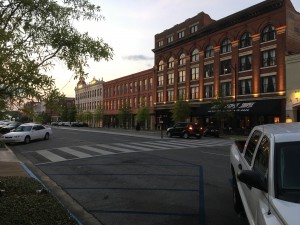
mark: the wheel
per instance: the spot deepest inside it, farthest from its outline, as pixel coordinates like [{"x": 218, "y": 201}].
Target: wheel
[
  {"x": 169, "y": 134},
  {"x": 186, "y": 135},
  {"x": 27, "y": 140},
  {"x": 198, "y": 137},
  {"x": 46, "y": 136},
  {"x": 237, "y": 202}
]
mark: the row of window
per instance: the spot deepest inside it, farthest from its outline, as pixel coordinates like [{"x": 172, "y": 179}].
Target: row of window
[
  {"x": 268, "y": 85},
  {"x": 132, "y": 87},
  {"x": 89, "y": 105},
  {"x": 245, "y": 63},
  {"x": 89, "y": 94},
  {"x": 267, "y": 34},
  {"x": 130, "y": 102}
]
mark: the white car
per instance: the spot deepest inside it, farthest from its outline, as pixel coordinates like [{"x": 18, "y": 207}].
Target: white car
[{"x": 26, "y": 133}]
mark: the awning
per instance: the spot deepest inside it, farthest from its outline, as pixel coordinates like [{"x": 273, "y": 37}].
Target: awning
[{"x": 260, "y": 107}]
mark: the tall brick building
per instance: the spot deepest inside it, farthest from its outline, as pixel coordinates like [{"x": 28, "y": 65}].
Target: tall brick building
[{"x": 240, "y": 58}]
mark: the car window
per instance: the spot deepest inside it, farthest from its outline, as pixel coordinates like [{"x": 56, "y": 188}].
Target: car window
[
  {"x": 251, "y": 146},
  {"x": 40, "y": 127},
  {"x": 261, "y": 161}
]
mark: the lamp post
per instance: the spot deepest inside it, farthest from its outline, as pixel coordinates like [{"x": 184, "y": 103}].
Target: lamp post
[{"x": 235, "y": 92}]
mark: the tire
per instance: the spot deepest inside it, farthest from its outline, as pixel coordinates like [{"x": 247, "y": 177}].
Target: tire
[
  {"x": 237, "y": 202},
  {"x": 27, "y": 139},
  {"x": 169, "y": 134},
  {"x": 186, "y": 135},
  {"x": 46, "y": 136}
]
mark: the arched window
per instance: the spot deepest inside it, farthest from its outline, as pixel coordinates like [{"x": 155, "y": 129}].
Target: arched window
[
  {"x": 245, "y": 40},
  {"x": 226, "y": 46},
  {"x": 171, "y": 63},
  {"x": 182, "y": 59},
  {"x": 161, "y": 65},
  {"x": 195, "y": 55},
  {"x": 268, "y": 33},
  {"x": 209, "y": 51}
]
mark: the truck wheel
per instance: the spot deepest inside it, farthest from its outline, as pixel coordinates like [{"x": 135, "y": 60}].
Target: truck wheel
[
  {"x": 169, "y": 134},
  {"x": 186, "y": 135},
  {"x": 237, "y": 202}
]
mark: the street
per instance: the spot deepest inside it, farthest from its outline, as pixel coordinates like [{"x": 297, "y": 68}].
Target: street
[{"x": 124, "y": 178}]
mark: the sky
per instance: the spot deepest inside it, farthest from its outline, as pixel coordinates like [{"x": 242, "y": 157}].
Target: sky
[{"x": 129, "y": 28}]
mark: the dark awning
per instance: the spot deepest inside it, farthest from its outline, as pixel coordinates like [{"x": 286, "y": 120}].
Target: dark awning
[{"x": 260, "y": 107}]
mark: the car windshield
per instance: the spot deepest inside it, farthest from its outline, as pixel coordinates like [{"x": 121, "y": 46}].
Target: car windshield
[
  {"x": 23, "y": 128},
  {"x": 288, "y": 167}
]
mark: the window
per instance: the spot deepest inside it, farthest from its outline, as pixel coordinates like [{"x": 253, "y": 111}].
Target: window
[
  {"x": 181, "y": 76},
  {"x": 161, "y": 65},
  {"x": 181, "y": 34},
  {"x": 226, "y": 46},
  {"x": 145, "y": 84},
  {"x": 181, "y": 94},
  {"x": 261, "y": 161},
  {"x": 226, "y": 89},
  {"x": 268, "y": 84},
  {"x": 160, "y": 43},
  {"x": 208, "y": 91},
  {"x": 195, "y": 55},
  {"x": 209, "y": 51},
  {"x": 170, "y": 95},
  {"x": 182, "y": 59},
  {"x": 195, "y": 73},
  {"x": 150, "y": 83},
  {"x": 194, "y": 92},
  {"x": 252, "y": 145},
  {"x": 171, "y": 78},
  {"x": 209, "y": 70},
  {"x": 225, "y": 67},
  {"x": 268, "y": 58},
  {"x": 171, "y": 63},
  {"x": 245, "y": 40},
  {"x": 245, "y": 62},
  {"x": 170, "y": 39},
  {"x": 268, "y": 33},
  {"x": 160, "y": 80},
  {"x": 245, "y": 87},
  {"x": 194, "y": 28},
  {"x": 160, "y": 96}
]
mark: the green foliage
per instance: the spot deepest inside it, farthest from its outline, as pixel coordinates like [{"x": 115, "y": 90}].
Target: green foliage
[
  {"x": 124, "y": 114},
  {"x": 34, "y": 34},
  {"x": 99, "y": 113},
  {"x": 221, "y": 114},
  {"x": 181, "y": 111},
  {"x": 143, "y": 115},
  {"x": 29, "y": 206}
]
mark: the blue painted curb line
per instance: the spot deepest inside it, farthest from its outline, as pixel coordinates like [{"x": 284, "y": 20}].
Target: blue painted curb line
[{"x": 35, "y": 177}]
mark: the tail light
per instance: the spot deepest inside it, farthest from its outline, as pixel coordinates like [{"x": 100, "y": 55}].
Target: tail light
[{"x": 190, "y": 128}]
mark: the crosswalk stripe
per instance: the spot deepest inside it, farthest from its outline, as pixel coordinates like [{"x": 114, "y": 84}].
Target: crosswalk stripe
[
  {"x": 115, "y": 148},
  {"x": 135, "y": 147},
  {"x": 163, "y": 144},
  {"x": 97, "y": 150},
  {"x": 150, "y": 145},
  {"x": 51, "y": 156},
  {"x": 74, "y": 152}
]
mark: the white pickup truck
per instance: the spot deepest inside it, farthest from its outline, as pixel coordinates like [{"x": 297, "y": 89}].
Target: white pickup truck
[{"x": 266, "y": 175}]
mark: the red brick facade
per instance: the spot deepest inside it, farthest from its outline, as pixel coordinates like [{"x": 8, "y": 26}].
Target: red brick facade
[{"x": 240, "y": 57}]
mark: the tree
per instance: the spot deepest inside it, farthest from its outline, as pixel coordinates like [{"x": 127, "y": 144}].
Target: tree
[
  {"x": 35, "y": 33},
  {"x": 53, "y": 101},
  {"x": 221, "y": 114},
  {"x": 124, "y": 114},
  {"x": 181, "y": 111},
  {"x": 99, "y": 114},
  {"x": 143, "y": 115}
]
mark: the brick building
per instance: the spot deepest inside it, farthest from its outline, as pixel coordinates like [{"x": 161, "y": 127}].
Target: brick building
[
  {"x": 134, "y": 91},
  {"x": 240, "y": 58}
]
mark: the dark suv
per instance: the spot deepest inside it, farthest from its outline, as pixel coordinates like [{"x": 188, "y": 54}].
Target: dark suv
[{"x": 186, "y": 130}]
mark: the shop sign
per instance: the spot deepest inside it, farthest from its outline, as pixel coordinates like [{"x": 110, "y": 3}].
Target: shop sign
[{"x": 238, "y": 107}]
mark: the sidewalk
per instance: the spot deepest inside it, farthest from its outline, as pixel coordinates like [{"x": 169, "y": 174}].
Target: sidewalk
[{"x": 10, "y": 165}]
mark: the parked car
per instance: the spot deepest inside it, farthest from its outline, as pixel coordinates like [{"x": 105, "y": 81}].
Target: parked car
[
  {"x": 26, "y": 133},
  {"x": 12, "y": 125},
  {"x": 211, "y": 131},
  {"x": 185, "y": 130}
]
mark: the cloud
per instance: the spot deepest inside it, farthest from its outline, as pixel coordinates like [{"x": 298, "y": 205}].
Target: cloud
[{"x": 137, "y": 57}]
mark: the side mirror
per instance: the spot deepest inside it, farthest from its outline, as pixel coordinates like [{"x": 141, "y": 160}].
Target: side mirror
[{"x": 253, "y": 179}]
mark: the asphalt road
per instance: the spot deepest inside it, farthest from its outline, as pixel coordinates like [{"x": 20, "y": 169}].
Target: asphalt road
[{"x": 134, "y": 177}]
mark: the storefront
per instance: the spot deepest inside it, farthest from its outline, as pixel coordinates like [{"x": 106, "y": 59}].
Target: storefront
[{"x": 244, "y": 115}]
